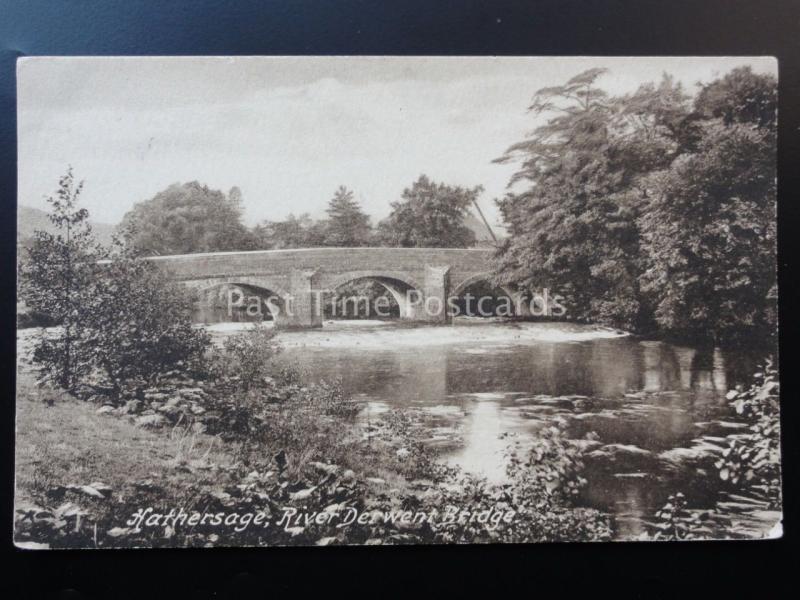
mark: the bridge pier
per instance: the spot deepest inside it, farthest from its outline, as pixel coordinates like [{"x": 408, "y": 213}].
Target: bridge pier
[
  {"x": 430, "y": 303},
  {"x": 304, "y": 305}
]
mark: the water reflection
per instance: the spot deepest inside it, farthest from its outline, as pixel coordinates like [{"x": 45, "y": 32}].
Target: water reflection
[{"x": 646, "y": 396}]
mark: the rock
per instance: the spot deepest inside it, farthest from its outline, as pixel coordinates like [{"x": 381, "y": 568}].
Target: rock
[
  {"x": 146, "y": 486},
  {"x": 325, "y": 468},
  {"x": 105, "y": 409},
  {"x": 69, "y": 509},
  {"x": 101, "y": 487},
  {"x": 133, "y": 407},
  {"x": 302, "y": 494},
  {"x": 614, "y": 450},
  {"x": 150, "y": 421},
  {"x": 90, "y": 490},
  {"x": 326, "y": 541},
  {"x": 587, "y": 445},
  {"x": 120, "y": 531},
  {"x": 679, "y": 457}
]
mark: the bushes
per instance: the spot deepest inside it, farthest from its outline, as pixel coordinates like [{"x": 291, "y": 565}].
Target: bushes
[
  {"x": 121, "y": 319},
  {"x": 749, "y": 465},
  {"x": 754, "y": 457},
  {"x": 136, "y": 324},
  {"x": 246, "y": 358}
]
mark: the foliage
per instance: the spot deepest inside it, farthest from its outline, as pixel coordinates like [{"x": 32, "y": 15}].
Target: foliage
[
  {"x": 122, "y": 319},
  {"x": 741, "y": 97},
  {"x": 551, "y": 468},
  {"x": 649, "y": 210},
  {"x": 136, "y": 323},
  {"x": 754, "y": 458},
  {"x": 293, "y": 232},
  {"x": 246, "y": 358},
  {"x": 347, "y": 225},
  {"x": 56, "y": 277},
  {"x": 358, "y": 299},
  {"x": 709, "y": 235},
  {"x": 430, "y": 215},
  {"x": 187, "y": 218},
  {"x": 674, "y": 520},
  {"x": 573, "y": 227}
]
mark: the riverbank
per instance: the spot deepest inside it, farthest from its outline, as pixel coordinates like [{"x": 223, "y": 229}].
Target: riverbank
[
  {"x": 441, "y": 423},
  {"x": 121, "y": 474},
  {"x": 464, "y": 330}
]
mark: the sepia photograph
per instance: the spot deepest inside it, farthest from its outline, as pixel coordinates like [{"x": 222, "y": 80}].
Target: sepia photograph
[{"x": 385, "y": 300}]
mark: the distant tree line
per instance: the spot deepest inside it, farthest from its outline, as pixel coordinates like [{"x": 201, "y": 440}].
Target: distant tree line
[
  {"x": 189, "y": 218},
  {"x": 652, "y": 211}
]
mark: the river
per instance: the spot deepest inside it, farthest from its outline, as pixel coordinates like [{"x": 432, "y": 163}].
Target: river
[{"x": 655, "y": 408}]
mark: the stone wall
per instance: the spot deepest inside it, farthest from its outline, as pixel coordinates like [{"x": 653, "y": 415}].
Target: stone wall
[{"x": 297, "y": 274}]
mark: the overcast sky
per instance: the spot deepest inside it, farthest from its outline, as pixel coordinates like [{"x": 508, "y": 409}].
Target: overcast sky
[{"x": 288, "y": 131}]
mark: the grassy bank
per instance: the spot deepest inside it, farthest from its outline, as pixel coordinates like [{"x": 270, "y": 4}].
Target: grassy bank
[{"x": 133, "y": 471}]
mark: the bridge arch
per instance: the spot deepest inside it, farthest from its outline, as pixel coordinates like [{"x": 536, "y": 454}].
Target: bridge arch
[
  {"x": 217, "y": 301},
  {"x": 486, "y": 278},
  {"x": 481, "y": 278},
  {"x": 399, "y": 286}
]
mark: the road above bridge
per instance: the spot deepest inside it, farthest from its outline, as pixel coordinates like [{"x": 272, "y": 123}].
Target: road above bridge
[{"x": 297, "y": 278}]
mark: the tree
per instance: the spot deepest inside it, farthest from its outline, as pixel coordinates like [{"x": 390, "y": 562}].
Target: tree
[
  {"x": 121, "y": 318},
  {"x": 189, "y": 218},
  {"x": 59, "y": 269},
  {"x": 740, "y": 97},
  {"x": 430, "y": 215},
  {"x": 293, "y": 232},
  {"x": 348, "y": 225},
  {"x": 709, "y": 232},
  {"x": 573, "y": 227},
  {"x": 136, "y": 322}
]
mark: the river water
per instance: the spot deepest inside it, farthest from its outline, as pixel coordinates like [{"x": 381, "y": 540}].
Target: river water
[{"x": 657, "y": 410}]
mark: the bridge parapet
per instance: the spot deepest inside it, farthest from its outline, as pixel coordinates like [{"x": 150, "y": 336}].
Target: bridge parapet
[{"x": 301, "y": 275}]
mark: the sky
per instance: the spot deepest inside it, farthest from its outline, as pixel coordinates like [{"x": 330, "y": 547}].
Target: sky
[{"x": 289, "y": 130}]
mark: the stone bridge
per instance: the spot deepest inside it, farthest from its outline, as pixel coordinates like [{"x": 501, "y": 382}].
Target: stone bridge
[{"x": 420, "y": 279}]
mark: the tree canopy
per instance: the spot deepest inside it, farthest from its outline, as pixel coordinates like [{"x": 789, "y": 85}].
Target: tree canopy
[
  {"x": 651, "y": 209},
  {"x": 347, "y": 224},
  {"x": 188, "y": 218},
  {"x": 430, "y": 215}
]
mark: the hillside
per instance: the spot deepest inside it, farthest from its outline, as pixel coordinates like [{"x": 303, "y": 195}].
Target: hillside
[{"x": 30, "y": 219}]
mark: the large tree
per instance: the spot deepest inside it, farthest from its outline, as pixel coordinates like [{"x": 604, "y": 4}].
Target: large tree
[
  {"x": 709, "y": 229},
  {"x": 572, "y": 223},
  {"x": 189, "y": 218},
  {"x": 650, "y": 209},
  {"x": 430, "y": 215},
  {"x": 347, "y": 225}
]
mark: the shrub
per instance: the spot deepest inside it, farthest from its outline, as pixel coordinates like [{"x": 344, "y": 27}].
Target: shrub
[
  {"x": 121, "y": 319},
  {"x": 136, "y": 324},
  {"x": 754, "y": 458},
  {"x": 246, "y": 359}
]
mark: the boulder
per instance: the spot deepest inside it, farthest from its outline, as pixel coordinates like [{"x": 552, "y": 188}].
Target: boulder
[{"x": 150, "y": 421}]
